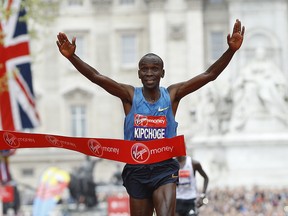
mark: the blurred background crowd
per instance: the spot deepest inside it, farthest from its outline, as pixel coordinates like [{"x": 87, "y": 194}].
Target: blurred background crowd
[{"x": 242, "y": 201}]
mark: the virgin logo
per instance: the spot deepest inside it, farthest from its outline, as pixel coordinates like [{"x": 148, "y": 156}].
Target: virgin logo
[
  {"x": 54, "y": 141},
  {"x": 95, "y": 147},
  {"x": 140, "y": 153},
  {"x": 11, "y": 140},
  {"x": 140, "y": 120}
]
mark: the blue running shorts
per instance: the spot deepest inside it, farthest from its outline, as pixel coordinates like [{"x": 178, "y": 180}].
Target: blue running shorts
[{"x": 142, "y": 180}]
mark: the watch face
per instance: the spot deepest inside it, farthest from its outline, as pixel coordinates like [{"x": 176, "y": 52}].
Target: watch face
[{"x": 205, "y": 201}]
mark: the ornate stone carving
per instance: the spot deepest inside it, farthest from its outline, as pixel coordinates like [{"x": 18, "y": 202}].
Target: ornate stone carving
[
  {"x": 177, "y": 31},
  {"x": 156, "y": 4},
  {"x": 77, "y": 92},
  {"x": 194, "y": 4},
  {"x": 260, "y": 93},
  {"x": 101, "y": 5}
]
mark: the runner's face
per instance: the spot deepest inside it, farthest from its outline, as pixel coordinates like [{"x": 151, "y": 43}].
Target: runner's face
[{"x": 150, "y": 71}]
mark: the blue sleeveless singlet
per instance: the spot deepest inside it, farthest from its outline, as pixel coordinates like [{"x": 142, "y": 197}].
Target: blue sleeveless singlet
[{"x": 149, "y": 121}]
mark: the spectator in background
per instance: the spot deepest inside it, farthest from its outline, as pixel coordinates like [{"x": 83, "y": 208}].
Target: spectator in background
[
  {"x": 241, "y": 201},
  {"x": 7, "y": 180},
  {"x": 5, "y": 175},
  {"x": 186, "y": 191}
]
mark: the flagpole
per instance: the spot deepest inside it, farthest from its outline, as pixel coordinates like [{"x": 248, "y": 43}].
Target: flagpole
[{"x": 1, "y": 199}]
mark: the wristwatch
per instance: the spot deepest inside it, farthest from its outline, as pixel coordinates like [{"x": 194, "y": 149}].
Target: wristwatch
[{"x": 204, "y": 198}]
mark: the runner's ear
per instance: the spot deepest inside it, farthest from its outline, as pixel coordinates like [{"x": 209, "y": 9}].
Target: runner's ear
[{"x": 163, "y": 73}]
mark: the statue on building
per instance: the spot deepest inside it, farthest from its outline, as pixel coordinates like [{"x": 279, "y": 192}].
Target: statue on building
[
  {"x": 260, "y": 92},
  {"x": 206, "y": 112},
  {"x": 214, "y": 112},
  {"x": 224, "y": 109}
]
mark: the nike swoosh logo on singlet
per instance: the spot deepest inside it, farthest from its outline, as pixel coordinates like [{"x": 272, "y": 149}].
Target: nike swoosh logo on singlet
[{"x": 162, "y": 109}]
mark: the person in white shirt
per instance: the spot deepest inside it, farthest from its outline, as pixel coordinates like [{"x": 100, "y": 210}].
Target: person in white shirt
[{"x": 186, "y": 191}]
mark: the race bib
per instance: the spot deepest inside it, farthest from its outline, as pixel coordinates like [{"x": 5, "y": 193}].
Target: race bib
[
  {"x": 149, "y": 127},
  {"x": 184, "y": 178}
]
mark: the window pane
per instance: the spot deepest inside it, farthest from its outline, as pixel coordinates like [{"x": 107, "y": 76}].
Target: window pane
[
  {"x": 215, "y": 1},
  {"x": 27, "y": 172},
  {"x": 217, "y": 44},
  {"x": 128, "y": 49},
  {"x": 75, "y": 2},
  {"x": 127, "y": 2},
  {"x": 78, "y": 116},
  {"x": 80, "y": 46}
]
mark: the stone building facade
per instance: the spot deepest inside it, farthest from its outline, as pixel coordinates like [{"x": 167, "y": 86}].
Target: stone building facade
[{"x": 112, "y": 35}]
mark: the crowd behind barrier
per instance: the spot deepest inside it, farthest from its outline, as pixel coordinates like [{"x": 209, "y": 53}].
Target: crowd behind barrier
[
  {"x": 239, "y": 201},
  {"x": 242, "y": 201}
]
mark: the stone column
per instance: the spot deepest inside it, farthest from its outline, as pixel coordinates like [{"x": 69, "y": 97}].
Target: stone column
[
  {"x": 194, "y": 55},
  {"x": 195, "y": 36},
  {"x": 157, "y": 27}
]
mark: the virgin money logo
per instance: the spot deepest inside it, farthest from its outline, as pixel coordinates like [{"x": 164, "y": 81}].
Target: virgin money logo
[
  {"x": 140, "y": 120},
  {"x": 95, "y": 147},
  {"x": 54, "y": 141},
  {"x": 11, "y": 140},
  {"x": 140, "y": 152}
]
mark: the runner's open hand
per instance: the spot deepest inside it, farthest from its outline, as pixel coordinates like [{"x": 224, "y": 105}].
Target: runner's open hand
[
  {"x": 235, "y": 40},
  {"x": 66, "y": 48}
]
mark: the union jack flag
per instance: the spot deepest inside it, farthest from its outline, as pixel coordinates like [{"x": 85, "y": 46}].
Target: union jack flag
[{"x": 17, "y": 101}]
